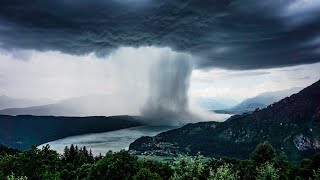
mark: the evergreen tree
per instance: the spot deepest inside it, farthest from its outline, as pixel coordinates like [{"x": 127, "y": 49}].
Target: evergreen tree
[
  {"x": 91, "y": 158},
  {"x": 263, "y": 153},
  {"x": 66, "y": 153},
  {"x": 72, "y": 154}
]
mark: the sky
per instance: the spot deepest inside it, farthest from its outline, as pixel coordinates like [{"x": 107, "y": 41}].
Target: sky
[{"x": 162, "y": 52}]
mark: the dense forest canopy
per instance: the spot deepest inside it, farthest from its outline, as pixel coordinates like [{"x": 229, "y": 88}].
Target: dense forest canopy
[{"x": 79, "y": 163}]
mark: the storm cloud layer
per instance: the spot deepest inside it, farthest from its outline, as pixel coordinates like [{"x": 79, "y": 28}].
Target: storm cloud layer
[{"x": 233, "y": 34}]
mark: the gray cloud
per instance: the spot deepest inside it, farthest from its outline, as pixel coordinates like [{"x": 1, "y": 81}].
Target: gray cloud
[{"x": 234, "y": 34}]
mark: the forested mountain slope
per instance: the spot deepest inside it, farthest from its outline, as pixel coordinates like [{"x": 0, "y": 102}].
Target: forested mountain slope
[{"x": 291, "y": 125}]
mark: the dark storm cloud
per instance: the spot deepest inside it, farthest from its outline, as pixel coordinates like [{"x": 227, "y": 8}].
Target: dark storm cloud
[{"x": 236, "y": 34}]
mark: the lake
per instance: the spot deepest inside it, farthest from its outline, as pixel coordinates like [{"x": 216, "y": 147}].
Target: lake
[{"x": 104, "y": 142}]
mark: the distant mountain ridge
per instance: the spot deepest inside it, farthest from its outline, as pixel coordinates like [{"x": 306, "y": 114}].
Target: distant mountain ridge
[
  {"x": 260, "y": 101},
  {"x": 9, "y": 102},
  {"x": 216, "y": 103},
  {"x": 291, "y": 125},
  {"x": 95, "y": 105},
  {"x": 100, "y": 105}
]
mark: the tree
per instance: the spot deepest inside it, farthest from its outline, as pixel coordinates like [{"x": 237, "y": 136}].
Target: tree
[
  {"x": 268, "y": 172},
  {"x": 8, "y": 151},
  {"x": 263, "y": 153},
  {"x": 65, "y": 153},
  {"x": 283, "y": 165},
  {"x": 188, "y": 168},
  {"x": 223, "y": 172},
  {"x": 34, "y": 163},
  {"x": 90, "y": 158},
  {"x": 247, "y": 170},
  {"x": 164, "y": 170},
  {"x": 146, "y": 174},
  {"x": 84, "y": 172},
  {"x": 71, "y": 155},
  {"x": 303, "y": 169},
  {"x": 120, "y": 165}
]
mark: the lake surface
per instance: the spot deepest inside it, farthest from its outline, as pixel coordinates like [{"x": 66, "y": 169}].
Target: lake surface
[{"x": 113, "y": 140}]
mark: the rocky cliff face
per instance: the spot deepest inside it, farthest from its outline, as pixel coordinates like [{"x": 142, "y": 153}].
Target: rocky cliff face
[{"x": 291, "y": 125}]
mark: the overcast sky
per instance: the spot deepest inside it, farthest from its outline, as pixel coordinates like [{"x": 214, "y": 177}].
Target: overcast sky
[{"x": 232, "y": 48}]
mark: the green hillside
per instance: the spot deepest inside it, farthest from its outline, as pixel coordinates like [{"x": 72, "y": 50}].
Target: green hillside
[{"x": 291, "y": 125}]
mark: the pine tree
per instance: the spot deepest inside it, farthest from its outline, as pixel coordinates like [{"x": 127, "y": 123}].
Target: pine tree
[
  {"x": 72, "y": 154},
  {"x": 66, "y": 153}
]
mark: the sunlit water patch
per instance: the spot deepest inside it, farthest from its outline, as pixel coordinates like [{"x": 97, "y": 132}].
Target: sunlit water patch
[{"x": 104, "y": 142}]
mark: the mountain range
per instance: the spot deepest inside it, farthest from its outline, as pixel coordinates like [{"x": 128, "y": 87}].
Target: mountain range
[
  {"x": 103, "y": 105},
  {"x": 216, "y": 103},
  {"x": 260, "y": 101},
  {"x": 91, "y": 105},
  {"x": 291, "y": 125}
]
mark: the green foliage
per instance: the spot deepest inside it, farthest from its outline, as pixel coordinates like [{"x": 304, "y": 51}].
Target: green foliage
[
  {"x": 283, "y": 165},
  {"x": 84, "y": 172},
  {"x": 78, "y": 163},
  {"x": 263, "y": 153},
  {"x": 13, "y": 177},
  {"x": 119, "y": 165},
  {"x": 164, "y": 170},
  {"x": 247, "y": 170},
  {"x": 146, "y": 174},
  {"x": 268, "y": 172},
  {"x": 316, "y": 174},
  {"x": 223, "y": 172},
  {"x": 303, "y": 170},
  {"x": 33, "y": 163},
  {"x": 75, "y": 162},
  {"x": 8, "y": 151},
  {"x": 188, "y": 167}
]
